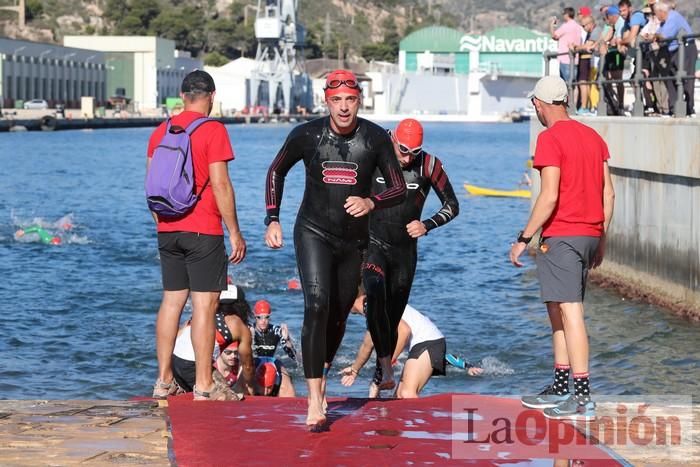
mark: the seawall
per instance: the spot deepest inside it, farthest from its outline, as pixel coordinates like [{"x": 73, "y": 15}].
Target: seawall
[{"x": 653, "y": 244}]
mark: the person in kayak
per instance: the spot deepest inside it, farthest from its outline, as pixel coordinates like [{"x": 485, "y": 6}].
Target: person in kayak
[
  {"x": 341, "y": 153},
  {"x": 387, "y": 274}
]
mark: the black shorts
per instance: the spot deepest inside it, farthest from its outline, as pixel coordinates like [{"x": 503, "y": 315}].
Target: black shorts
[
  {"x": 436, "y": 349},
  {"x": 584, "y": 69},
  {"x": 184, "y": 372},
  {"x": 193, "y": 261}
]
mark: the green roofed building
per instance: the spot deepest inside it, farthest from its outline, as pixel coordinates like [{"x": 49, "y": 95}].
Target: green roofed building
[
  {"x": 445, "y": 71},
  {"x": 436, "y": 49},
  {"x": 510, "y": 51}
]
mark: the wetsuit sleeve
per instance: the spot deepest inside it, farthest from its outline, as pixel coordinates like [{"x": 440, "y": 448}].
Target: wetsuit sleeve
[
  {"x": 388, "y": 165},
  {"x": 290, "y": 154},
  {"x": 443, "y": 188},
  {"x": 44, "y": 236},
  {"x": 289, "y": 350}
]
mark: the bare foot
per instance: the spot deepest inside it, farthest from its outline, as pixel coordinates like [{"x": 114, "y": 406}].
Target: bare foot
[{"x": 315, "y": 418}]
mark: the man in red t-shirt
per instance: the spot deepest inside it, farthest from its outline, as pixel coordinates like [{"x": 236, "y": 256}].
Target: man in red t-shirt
[
  {"x": 192, "y": 251},
  {"x": 574, "y": 209}
]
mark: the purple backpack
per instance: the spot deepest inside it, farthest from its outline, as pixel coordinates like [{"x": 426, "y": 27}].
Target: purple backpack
[{"x": 170, "y": 186}]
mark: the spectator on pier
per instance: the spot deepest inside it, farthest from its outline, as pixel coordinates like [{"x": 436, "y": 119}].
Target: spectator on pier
[
  {"x": 614, "y": 62},
  {"x": 566, "y": 35},
  {"x": 673, "y": 24},
  {"x": 652, "y": 63},
  {"x": 585, "y": 59}
]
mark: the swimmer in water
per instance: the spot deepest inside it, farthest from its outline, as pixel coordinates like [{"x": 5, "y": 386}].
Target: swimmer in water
[
  {"x": 426, "y": 356},
  {"x": 44, "y": 235}
]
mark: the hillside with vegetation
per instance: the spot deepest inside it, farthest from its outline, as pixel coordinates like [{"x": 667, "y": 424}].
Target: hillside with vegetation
[{"x": 220, "y": 30}]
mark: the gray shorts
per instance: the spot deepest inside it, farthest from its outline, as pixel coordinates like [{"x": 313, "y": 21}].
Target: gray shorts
[{"x": 562, "y": 267}]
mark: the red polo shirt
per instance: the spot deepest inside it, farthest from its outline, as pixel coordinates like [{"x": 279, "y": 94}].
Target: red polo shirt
[
  {"x": 579, "y": 152},
  {"x": 210, "y": 143}
]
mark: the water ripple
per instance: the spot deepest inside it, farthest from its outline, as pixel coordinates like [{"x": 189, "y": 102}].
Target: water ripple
[{"x": 79, "y": 318}]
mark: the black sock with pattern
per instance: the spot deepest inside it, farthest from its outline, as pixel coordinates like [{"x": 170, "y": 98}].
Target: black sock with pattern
[
  {"x": 561, "y": 379},
  {"x": 582, "y": 386}
]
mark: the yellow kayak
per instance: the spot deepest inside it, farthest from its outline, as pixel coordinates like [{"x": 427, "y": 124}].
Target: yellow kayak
[{"x": 481, "y": 191}]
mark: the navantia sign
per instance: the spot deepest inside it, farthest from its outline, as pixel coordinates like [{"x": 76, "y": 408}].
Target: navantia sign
[{"x": 498, "y": 44}]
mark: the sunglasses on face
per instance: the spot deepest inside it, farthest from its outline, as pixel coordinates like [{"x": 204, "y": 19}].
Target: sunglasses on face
[
  {"x": 229, "y": 352},
  {"x": 406, "y": 150},
  {"x": 336, "y": 83},
  {"x": 262, "y": 317}
]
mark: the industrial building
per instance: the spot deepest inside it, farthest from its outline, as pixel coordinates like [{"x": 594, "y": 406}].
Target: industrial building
[
  {"x": 146, "y": 69},
  {"x": 444, "y": 71},
  {"x": 58, "y": 75}
]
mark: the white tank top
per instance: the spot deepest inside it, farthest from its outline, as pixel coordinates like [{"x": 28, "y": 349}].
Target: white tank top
[
  {"x": 183, "y": 345},
  {"x": 422, "y": 329},
  {"x": 184, "y": 348}
]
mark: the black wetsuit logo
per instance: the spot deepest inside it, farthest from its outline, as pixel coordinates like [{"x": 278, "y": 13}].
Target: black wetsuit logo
[{"x": 339, "y": 173}]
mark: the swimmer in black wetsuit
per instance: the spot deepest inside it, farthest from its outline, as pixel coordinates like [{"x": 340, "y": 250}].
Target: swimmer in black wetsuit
[
  {"x": 341, "y": 154},
  {"x": 387, "y": 274},
  {"x": 266, "y": 337}
]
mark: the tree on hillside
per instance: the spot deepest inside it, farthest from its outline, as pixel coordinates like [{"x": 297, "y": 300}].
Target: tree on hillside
[
  {"x": 185, "y": 25},
  {"x": 132, "y": 17}
]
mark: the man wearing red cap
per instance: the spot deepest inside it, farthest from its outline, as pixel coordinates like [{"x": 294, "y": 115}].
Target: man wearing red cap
[
  {"x": 387, "y": 274},
  {"x": 340, "y": 153}
]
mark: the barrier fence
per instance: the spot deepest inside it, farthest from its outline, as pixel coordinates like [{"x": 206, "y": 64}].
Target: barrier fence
[{"x": 637, "y": 80}]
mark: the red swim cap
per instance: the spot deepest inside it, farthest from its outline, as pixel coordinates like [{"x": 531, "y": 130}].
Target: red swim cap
[
  {"x": 232, "y": 346},
  {"x": 293, "y": 284},
  {"x": 339, "y": 81},
  {"x": 56, "y": 241},
  {"x": 262, "y": 307},
  {"x": 409, "y": 132},
  {"x": 266, "y": 374}
]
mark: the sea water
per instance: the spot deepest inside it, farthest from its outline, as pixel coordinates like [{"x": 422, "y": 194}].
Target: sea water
[{"x": 78, "y": 318}]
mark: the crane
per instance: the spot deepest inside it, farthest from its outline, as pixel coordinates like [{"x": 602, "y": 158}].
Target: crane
[{"x": 279, "y": 35}]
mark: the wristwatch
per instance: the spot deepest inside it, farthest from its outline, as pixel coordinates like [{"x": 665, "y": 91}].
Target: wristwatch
[
  {"x": 270, "y": 219},
  {"x": 523, "y": 239}
]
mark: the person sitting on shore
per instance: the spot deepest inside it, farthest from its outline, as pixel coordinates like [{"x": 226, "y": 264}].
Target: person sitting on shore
[
  {"x": 426, "y": 355},
  {"x": 231, "y": 327},
  {"x": 228, "y": 365}
]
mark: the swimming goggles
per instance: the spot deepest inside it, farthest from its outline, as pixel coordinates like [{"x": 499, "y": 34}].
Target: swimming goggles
[
  {"x": 262, "y": 317},
  {"x": 229, "y": 352},
  {"x": 336, "y": 83},
  {"x": 406, "y": 150}
]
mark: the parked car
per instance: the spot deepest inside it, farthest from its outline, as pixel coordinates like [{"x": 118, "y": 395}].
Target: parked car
[{"x": 36, "y": 104}]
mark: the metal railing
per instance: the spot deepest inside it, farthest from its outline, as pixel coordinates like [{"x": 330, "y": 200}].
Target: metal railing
[{"x": 637, "y": 80}]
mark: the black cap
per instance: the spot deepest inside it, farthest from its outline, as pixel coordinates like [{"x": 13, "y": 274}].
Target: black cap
[{"x": 198, "y": 81}]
